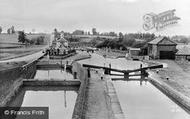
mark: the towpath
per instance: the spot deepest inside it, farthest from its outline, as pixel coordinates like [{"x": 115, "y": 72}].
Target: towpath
[
  {"x": 96, "y": 102},
  {"x": 102, "y": 101},
  {"x": 177, "y": 77}
]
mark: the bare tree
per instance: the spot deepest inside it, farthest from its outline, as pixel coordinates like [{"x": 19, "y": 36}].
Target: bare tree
[
  {"x": 8, "y": 31},
  {"x": 1, "y": 29}
]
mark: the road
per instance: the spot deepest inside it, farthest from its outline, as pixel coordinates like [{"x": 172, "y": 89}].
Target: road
[
  {"x": 25, "y": 58},
  {"x": 31, "y": 56}
]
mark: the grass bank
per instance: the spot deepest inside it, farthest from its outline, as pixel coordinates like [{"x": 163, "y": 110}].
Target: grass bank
[{"x": 111, "y": 53}]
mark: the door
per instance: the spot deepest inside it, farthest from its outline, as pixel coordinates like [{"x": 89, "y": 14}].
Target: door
[{"x": 167, "y": 55}]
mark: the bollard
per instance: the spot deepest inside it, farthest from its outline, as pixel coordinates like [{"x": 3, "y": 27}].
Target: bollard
[
  {"x": 75, "y": 75},
  {"x": 102, "y": 73},
  {"x": 167, "y": 78},
  {"x": 157, "y": 71},
  {"x": 88, "y": 70}
]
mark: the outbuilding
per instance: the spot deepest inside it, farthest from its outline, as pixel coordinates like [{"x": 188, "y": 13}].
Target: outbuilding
[
  {"x": 134, "y": 51},
  {"x": 162, "y": 48},
  {"x": 183, "y": 54}
]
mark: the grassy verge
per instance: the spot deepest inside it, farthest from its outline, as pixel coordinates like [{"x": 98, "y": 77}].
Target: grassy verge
[
  {"x": 111, "y": 54},
  {"x": 18, "y": 52}
]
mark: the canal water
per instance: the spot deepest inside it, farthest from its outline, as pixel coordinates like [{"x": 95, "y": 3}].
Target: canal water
[
  {"x": 139, "y": 100},
  {"x": 57, "y": 74},
  {"x": 144, "y": 101},
  {"x": 60, "y": 100}
]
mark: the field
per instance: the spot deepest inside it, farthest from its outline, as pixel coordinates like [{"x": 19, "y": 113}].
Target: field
[{"x": 10, "y": 47}]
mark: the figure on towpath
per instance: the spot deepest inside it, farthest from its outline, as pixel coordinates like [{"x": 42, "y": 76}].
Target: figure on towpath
[{"x": 101, "y": 73}]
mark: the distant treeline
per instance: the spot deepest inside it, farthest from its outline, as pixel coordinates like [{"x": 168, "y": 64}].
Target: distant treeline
[
  {"x": 37, "y": 40},
  {"x": 135, "y": 40},
  {"x": 73, "y": 39},
  {"x": 93, "y": 41},
  {"x": 181, "y": 39}
]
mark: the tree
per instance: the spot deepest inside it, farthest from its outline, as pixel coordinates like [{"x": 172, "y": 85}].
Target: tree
[
  {"x": 112, "y": 33},
  {"x": 1, "y": 29},
  {"x": 40, "y": 40},
  {"x": 56, "y": 34},
  {"x": 94, "y": 31},
  {"x": 12, "y": 30},
  {"x": 120, "y": 36},
  {"x": 22, "y": 37},
  {"x": 8, "y": 31}
]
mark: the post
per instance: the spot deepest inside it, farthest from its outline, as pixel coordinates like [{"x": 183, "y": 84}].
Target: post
[
  {"x": 126, "y": 75},
  {"x": 65, "y": 67},
  {"x": 88, "y": 70},
  {"x": 142, "y": 72},
  {"x": 106, "y": 71},
  {"x": 110, "y": 68},
  {"x": 75, "y": 75}
]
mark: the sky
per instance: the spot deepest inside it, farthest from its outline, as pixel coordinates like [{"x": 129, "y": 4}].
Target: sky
[{"x": 105, "y": 15}]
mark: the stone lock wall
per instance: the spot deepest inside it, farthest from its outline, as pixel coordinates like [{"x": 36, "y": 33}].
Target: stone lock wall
[
  {"x": 11, "y": 80},
  {"x": 80, "y": 105}
]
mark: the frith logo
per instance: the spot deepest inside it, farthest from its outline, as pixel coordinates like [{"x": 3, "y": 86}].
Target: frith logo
[{"x": 159, "y": 21}]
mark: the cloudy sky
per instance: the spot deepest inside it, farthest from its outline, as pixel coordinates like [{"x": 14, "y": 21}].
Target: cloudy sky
[{"x": 105, "y": 15}]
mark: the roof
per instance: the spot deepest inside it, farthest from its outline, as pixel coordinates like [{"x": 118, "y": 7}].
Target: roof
[
  {"x": 183, "y": 51},
  {"x": 159, "y": 39},
  {"x": 156, "y": 40}
]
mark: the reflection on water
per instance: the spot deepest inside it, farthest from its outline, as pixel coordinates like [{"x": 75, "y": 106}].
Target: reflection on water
[
  {"x": 61, "y": 102},
  {"x": 53, "y": 74},
  {"x": 146, "y": 102}
]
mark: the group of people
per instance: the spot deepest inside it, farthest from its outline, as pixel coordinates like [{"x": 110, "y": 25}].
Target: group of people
[{"x": 58, "y": 51}]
